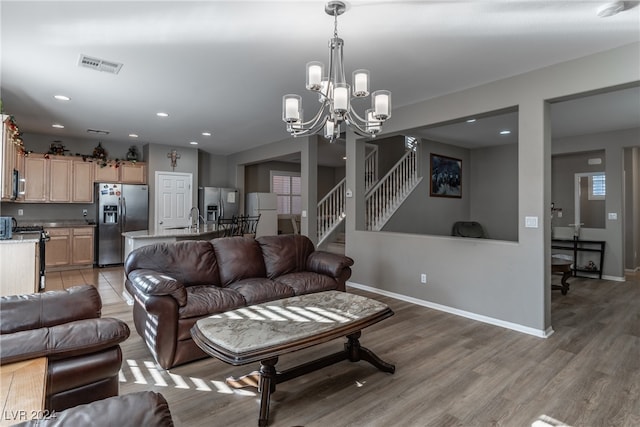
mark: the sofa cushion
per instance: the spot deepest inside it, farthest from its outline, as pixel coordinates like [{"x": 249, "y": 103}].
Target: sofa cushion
[
  {"x": 306, "y": 282},
  {"x": 189, "y": 262},
  {"x": 204, "y": 300},
  {"x": 258, "y": 290},
  {"x": 285, "y": 253},
  {"x": 238, "y": 258}
]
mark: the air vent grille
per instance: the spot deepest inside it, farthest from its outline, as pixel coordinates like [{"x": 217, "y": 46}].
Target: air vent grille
[
  {"x": 99, "y": 64},
  {"x": 98, "y": 131}
]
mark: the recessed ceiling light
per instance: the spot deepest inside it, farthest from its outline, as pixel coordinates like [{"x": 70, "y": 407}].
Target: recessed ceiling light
[
  {"x": 505, "y": 132},
  {"x": 57, "y": 126},
  {"x": 206, "y": 133},
  {"x": 133, "y": 135},
  {"x": 610, "y": 9},
  {"x": 193, "y": 143},
  {"x": 471, "y": 120},
  {"x": 162, "y": 114},
  {"x": 62, "y": 97}
]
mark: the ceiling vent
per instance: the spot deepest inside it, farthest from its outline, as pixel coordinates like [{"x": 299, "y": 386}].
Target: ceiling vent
[
  {"x": 99, "y": 64},
  {"x": 98, "y": 132}
]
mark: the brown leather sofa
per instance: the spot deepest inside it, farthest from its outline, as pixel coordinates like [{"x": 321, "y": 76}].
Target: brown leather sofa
[
  {"x": 144, "y": 408},
  {"x": 176, "y": 284},
  {"x": 82, "y": 349}
]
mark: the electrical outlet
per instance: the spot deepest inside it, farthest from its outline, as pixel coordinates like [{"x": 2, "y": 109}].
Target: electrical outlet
[
  {"x": 84, "y": 212},
  {"x": 423, "y": 278},
  {"x": 20, "y": 212}
]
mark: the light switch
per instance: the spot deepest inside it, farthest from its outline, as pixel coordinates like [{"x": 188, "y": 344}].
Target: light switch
[
  {"x": 303, "y": 214},
  {"x": 613, "y": 215},
  {"x": 349, "y": 193},
  {"x": 531, "y": 221}
]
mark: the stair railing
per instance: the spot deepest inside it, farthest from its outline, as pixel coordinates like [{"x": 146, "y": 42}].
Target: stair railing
[{"x": 391, "y": 190}]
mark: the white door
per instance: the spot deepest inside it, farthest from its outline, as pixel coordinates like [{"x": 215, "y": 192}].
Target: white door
[{"x": 173, "y": 199}]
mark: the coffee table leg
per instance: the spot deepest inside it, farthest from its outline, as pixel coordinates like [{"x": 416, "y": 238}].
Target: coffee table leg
[
  {"x": 266, "y": 386},
  {"x": 565, "y": 284},
  {"x": 356, "y": 352}
]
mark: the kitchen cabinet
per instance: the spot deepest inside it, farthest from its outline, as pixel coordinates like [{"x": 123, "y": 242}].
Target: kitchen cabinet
[
  {"x": 10, "y": 157},
  {"x": 82, "y": 246},
  {"x": 57, "y": 179},
  {"x": 36, "y": 173},
  {"x": 19, "y": 267},
  {"x": 126, "y": 173},
  {"x": 69, "y": 247},
  {"x": 58, "y": 248},
  {"x": 82, "y": 182}
]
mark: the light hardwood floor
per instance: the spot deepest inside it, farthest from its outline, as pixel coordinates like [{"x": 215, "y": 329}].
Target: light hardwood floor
[{"x": 450, "y": 371}]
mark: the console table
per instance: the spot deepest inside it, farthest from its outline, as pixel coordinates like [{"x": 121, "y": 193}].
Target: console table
[{"x": 579, "y": 246}]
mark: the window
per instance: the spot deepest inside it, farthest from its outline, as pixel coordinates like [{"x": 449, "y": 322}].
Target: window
[
  {"x": 597, "y": 187},
  {"x": 287, "y": 186},
  {"x": 410, "y": 143}
]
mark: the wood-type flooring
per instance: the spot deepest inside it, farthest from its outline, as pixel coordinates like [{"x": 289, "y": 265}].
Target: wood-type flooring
[{"x": 450, "y": 371}]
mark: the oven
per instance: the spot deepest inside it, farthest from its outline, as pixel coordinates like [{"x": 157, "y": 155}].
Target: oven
[{"x": 43, "y": 239}]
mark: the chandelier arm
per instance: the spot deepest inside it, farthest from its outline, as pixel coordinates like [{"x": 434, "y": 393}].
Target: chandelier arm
[
  {"x": 311, "y": 130},
  {"x": 357, "y": 117},
  {"x": 357, "y": 128}
]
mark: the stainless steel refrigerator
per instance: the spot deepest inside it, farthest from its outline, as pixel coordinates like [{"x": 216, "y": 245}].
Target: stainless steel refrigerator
[
  {"x": 121, "y": 208},
  {"x": 218, "y": 203}
]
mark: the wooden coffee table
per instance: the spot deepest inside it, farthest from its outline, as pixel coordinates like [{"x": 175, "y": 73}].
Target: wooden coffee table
[{"x": 266, "y": 331}]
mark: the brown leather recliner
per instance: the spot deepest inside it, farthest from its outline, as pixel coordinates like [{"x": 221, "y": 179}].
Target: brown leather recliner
[
  {"x": 82, "y": 349},
  {"x": 144, "y": 408},
  {"x": 176, "y": 284}
]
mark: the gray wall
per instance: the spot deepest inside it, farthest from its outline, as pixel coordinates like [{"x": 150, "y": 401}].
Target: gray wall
[
  {"x": 489, "y": 194},
  {"x": 632, "y": 207},
  {"x": 499, "y": 280}
]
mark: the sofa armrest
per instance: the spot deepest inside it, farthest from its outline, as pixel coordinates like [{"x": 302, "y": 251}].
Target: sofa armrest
[
  {"x": 328, "y": 263},
  {"x": 63, "y": 341},
  {"x": 144, "y": 408},
  {"x": 150, "y": 282}
]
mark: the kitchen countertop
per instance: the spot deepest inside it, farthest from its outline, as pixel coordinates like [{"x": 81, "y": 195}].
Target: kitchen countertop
[
  {"x": 172, "y": 232},
  {"x": 23, "y": 238},
  {"x": 59, "y": 223}
]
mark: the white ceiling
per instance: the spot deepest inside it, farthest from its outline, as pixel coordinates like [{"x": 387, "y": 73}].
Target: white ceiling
[{"x": 223, "y": 66}]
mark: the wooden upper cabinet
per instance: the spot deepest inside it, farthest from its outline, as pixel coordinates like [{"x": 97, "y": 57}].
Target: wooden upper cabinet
[
  {"x": 82, "y": 181},
  {"x": 36, "y": 174},
  {"x": 105, "y": 173},
  {"x": 60, "y": 180},
  {"x": 134, "y": 173}
]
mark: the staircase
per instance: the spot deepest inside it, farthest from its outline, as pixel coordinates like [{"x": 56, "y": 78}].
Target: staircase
[
  {"x": 391, "y": 191},
  {"x": 382, "y": 197}
]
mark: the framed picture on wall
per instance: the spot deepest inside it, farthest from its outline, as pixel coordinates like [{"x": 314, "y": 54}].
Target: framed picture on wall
[{"x": 446, "y": 176}]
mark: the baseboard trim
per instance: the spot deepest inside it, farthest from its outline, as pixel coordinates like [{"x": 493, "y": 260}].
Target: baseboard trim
[{"x": 469, "y": 315}]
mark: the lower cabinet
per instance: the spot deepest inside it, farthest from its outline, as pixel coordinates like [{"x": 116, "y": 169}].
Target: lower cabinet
[
  {"x": 19, "y": 268},
  {"x": 69, "y": 248}
]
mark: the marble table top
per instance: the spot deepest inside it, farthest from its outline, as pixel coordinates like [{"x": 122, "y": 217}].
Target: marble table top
[{"x": 265, "y": 330}]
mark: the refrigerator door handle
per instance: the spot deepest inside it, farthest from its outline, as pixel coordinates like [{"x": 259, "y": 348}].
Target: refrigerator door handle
[{"x": 123, "y": 217}]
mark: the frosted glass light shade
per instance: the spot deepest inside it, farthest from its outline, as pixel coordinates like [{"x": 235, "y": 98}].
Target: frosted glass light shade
[
  {"x": 341, "y": 98},
  {"x": 360, "y": 83},
  {"x": 381, "y": 104},
  {"x": 291, "y": 108},
  {"x": 330, "y": 130},
  {"x": 315, "y": 71}
]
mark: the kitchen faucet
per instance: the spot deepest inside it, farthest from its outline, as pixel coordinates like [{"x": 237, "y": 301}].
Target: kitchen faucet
[{"x": 198, "y": 217}]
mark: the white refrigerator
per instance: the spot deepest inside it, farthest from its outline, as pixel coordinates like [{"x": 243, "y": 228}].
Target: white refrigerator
[{"x": 265, "y": 205}]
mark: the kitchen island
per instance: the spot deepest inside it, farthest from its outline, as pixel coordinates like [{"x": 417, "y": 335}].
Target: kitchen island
[
  {"x": 19, "y": 264},
  {"x": 136, "y": 239}
]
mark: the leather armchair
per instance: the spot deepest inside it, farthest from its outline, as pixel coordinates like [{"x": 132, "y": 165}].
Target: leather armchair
[
  {"x": 144, "y": 408},
  {"x": 83, "y": 352}
]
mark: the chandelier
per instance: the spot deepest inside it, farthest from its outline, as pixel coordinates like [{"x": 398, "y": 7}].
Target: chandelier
[{"x": 335, "y": 95}]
